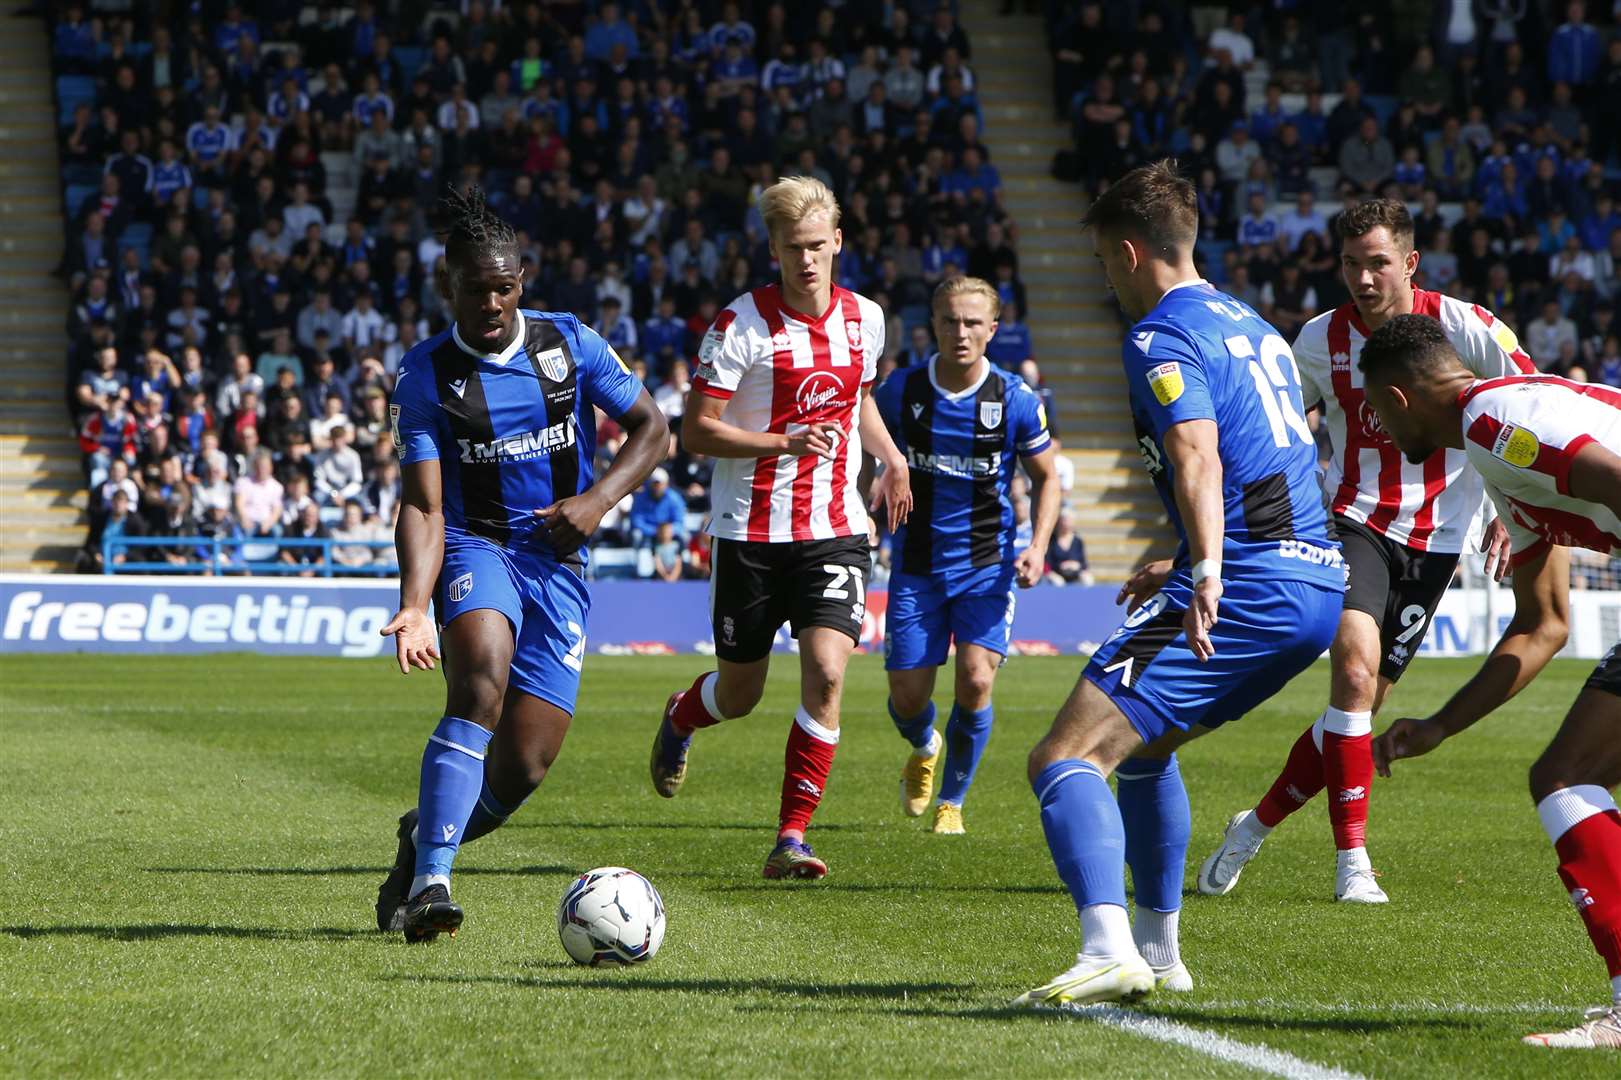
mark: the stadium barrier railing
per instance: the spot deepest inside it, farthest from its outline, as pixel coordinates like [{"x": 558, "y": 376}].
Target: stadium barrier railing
[{"x": 245, "y": 555}]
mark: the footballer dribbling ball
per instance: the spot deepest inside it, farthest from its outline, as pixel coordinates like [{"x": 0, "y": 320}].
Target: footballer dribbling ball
[{"x": 611, "y": 915}]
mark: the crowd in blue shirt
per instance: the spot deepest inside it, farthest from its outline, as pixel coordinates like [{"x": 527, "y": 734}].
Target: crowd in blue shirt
[{"x": 208, "y": 158}]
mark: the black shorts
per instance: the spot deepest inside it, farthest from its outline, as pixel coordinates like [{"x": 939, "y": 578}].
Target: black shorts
[
  {"x": 755, "y": 587},
  {"x": 1607, "y": 676},
  {"x": 1399, "y": 586}
]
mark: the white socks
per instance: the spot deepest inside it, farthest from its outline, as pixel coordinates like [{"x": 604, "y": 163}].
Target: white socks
[
  {"x": 1615, "y": 990},
  {"x": 1251, "y": 827},
  {"x": 933, "y": 747},
  {"x": 1106, "y": 932},
  {"x": 1351, "y": 860},
  {"x": 1155, "y": 933}
]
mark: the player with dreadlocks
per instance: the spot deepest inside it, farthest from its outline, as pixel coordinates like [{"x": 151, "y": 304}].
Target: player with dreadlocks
[{"x": 494, "y": 422}]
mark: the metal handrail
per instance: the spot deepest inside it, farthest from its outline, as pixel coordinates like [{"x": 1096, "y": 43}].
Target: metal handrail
[{"x": 215, "y": 556}]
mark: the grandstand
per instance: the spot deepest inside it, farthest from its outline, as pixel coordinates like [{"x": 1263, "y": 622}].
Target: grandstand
[{"x": 220, "y": 176}]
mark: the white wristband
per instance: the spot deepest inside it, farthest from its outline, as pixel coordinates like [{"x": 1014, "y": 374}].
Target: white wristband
[{"x": 1205, "y": 568}]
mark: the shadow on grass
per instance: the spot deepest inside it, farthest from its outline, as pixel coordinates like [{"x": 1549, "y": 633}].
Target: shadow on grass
[
  {"x": 160, "y": 931},
  {"x": 339, "y": 871},
  {"x": 875, "y": 887},
  {"x": 618, "y": 981},
  {"x": 761, "y": 826}
]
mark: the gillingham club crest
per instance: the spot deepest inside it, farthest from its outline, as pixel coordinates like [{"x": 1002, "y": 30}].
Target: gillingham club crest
[
  {"x": 990, "y": 414},
  {"x": 553, "y": 365}
]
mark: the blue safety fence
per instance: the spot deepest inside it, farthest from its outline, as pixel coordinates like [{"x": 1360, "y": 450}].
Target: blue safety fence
[{"x": 245, "y": 555}]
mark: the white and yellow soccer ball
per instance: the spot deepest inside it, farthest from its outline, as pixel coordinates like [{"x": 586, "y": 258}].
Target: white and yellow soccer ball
[{"x": 611, "y": 915}]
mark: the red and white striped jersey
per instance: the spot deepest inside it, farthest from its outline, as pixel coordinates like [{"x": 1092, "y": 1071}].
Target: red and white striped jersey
[
  {"x": 1521, "y": 435},
  {"x": 779, "y": 371},
  {"x": 1428, "y": 507}
]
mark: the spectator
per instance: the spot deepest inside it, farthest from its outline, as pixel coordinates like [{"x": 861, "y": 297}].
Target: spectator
[
  {"x": 339, "y": 474},
  {"x": 120, "y": 522},
  {"x": 655, "y": 504},
  {"x": 668, "y": 562},
  {"x": 1549, "y": 333},
  {"x": 306, "y": 554},
  {"x": 1366, "y": 159},
  {"x": 1066, "y": 554},
  {"x": 258, "y": 497},
  {"x": 671, "y": 397},
  {"x": 106, "y": 436},
  {"x": 356, "y": 534}
]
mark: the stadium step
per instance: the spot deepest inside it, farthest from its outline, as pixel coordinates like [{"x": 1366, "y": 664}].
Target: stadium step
[{"x": 42, "y": 495}]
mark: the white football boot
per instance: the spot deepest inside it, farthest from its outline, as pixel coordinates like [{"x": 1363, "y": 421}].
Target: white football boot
[
  {"x": 1355, "y": 881},
  {"x": 1219, "y": 873},
  {"x": 1094, "y": 979},
  {"x": 1173, "y": 978},
  {"x": 1600, "y": 1031}
]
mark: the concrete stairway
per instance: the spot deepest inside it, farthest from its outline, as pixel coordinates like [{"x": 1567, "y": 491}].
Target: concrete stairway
[
  {"x": 1071, "y": 317},
  {"x": 42, "y": 496}
]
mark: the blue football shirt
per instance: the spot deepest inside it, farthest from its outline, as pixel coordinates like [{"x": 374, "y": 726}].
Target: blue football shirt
[
  {"x": 513, "y": 432},
  {"x": 1202, "y": 355},
  {"x": 961, "y": 449}
]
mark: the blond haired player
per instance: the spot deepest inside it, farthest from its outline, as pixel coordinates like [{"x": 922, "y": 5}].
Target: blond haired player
[
  {"x": 1550, "y": 453},
  {"x": 781, "y": 399},
  {"x": 1402, "y": 526}
]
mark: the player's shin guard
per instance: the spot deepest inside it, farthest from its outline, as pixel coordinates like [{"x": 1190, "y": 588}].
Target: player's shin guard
[
  {"x": 1159, "y": 824},
  {"x": 489, "y": 813},
  {"x": 1585, "y": 828},
  {"x": 697, "y": 707},
  {"x": 967, "y": 733},
  {"x": 452, "y": 773},
  {"x": 917, "y": 730},
  {"x": 1300, "y": 780},
  {"x": 1348, "y": 774},
  {"x": 1088, "y": 845},
  {"x": 808, "y": 760}
]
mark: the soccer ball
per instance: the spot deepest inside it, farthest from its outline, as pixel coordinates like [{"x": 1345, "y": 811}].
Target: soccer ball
[{"x": 611, "y": 915}]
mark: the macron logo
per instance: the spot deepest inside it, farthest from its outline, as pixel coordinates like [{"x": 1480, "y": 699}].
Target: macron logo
[
  {"x": 917, "y": 411},
  {"x": 460, "y": 387},
  {"x": 1141, "y": 340},
  {"x": 449, "y": 831}
]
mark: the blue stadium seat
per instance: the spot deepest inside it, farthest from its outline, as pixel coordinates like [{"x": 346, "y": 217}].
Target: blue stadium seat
[
  {"x": 76, "y": 195},
  {"x": 137, "y": 234},
  {"x": 1383, "y": 106},
  {"x": 914, "y": 315},
  {"x": 72, "y": 91},
  {"x": 410, "y": 58}
]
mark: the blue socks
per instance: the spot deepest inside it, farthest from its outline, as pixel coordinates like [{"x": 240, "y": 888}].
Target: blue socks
[
  {"x": 1154, "y": 809},
  {"x": 919, "y": 730},
  {"x": 966, "y": 735},
  {"x": 489, "y": 814},
  {"x": 1084, "y": 832},
  {"x": 452, "y": 774}
]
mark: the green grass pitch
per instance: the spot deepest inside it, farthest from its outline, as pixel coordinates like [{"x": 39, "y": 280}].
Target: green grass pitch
[{"x": 191, "y": 848}]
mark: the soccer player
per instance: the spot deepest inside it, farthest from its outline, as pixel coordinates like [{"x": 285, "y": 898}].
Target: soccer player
[
  {"x": 782, "y": 400},
  {"x": 960, "y": 421},
  {"x": 1403, "y": 527},
  {"x": 1250, "y": 599},
  {"x": 494, "y": 421},
  {"x": 1550, "y": 453}
]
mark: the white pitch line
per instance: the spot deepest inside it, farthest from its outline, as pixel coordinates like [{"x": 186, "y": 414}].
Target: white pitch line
[{"x": 1250, "y": 1055}]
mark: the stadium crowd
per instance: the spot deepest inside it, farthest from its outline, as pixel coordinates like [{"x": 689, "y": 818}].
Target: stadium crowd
[
  {"x": 250, "y": 256},
  {"x": 1494, "y": 120}
]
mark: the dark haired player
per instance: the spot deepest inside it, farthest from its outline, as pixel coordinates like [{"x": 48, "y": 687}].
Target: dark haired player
[
  {"x": 1403, "y": 527},
  {"x": 1250, "y": 599},
  {"x": 494, "y": 421},
  {"x": 1550, "y": 453}
]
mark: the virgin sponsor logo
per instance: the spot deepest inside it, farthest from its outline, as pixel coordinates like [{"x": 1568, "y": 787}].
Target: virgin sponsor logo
[{"x": 820, "y": 394}]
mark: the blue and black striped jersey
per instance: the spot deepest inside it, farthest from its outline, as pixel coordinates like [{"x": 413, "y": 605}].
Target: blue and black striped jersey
[
  {"x": 513, "y": 432},
  {"x": 961, "y": 450}
]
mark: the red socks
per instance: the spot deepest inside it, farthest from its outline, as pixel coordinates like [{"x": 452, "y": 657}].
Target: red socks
[
  {"x": 1348, "y": 774},
  {"x": 691, "y": 712},
  {"x": 1336, "y": 752},
  {"x": 1585, "y": 828},
  {"x": 808, "y": 760},
  {"x": 1300, "y": 780}
]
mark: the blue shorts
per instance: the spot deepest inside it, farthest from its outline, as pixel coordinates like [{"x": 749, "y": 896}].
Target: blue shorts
[
  {"x": 923, "y": 618},
  {"x": 1267, "y": 632},
  {"x": 545, "y": 602}
]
